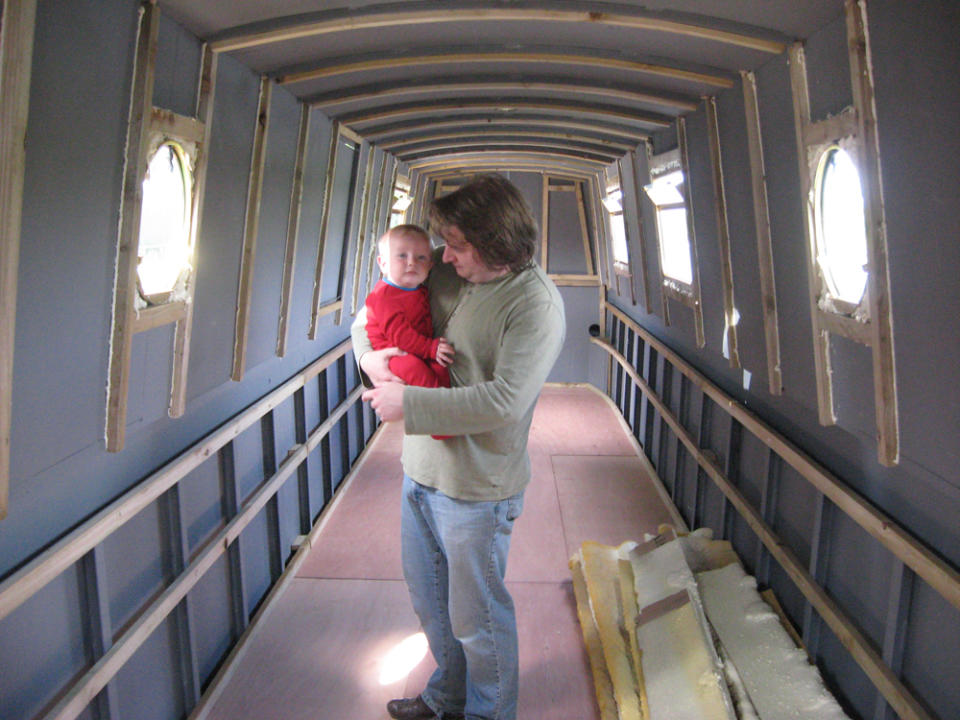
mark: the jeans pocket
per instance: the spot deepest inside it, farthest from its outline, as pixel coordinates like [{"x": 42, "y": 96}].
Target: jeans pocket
[{"x": 514, "y": 507}]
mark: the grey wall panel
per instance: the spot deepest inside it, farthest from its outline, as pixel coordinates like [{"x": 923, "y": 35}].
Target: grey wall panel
[
  {"x": 135, "y": 562},
  {"x": 178, "y": 67},
  {"x": 150, "y": 674},
  {"x": 210, "y": 617},
  {"x": 581, "y": 308},
  {"x": 826, "y": 55}
]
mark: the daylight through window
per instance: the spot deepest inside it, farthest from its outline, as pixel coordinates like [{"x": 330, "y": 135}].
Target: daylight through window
[
  {"x": 614, "y": 204},
  {"x": 666, "y": 193},
  {"x": 164, "y": 249},
  {"x": 840, "y": 227}
]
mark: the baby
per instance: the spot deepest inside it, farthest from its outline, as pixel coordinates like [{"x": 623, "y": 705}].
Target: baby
[{"x": 398, "y": 309}]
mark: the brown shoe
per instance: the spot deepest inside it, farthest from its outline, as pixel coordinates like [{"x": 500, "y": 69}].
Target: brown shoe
[{"x": 410, "y": 709}]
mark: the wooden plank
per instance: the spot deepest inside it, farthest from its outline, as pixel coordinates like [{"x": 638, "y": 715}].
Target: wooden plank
[
  {"x": 761, "y": 216},
  {"x": 206, "y": 87},
  {"x": 459, "y": 59},
  {"x": 576, "y": 280},
  {"x": 154, "y": 316},
  {"x": 601, "y": 247},
  {"x": 362, "y": 233},
  {"x": 618, "y": 269},
  {"x": 332, "y": 156},
  {"x": 878, "y": 278},
  {"x": 723, "y": 233},
  {"x": 399, "y": 19},
  {"x": 493, "y": 131},
  {"x": 35, "y": 575},
  {"x": 629, "y": 117},
  {"x": 293, "y": 228},
  {"x": 572, "y": 148},
  {"x": 944, "y": 579},
  {"x": 821, "y": 338},
  {"x": 16, "y": 58},
  {"x": 858, "y": 645},
  {"x": 691, "y": 234},
  {"x": 387, "y": 192},
  {"x": 331, "y": 100},
  {"x": 125, "y": 279},
  {"x": 489, "y": 123},
  {"x": 181, "y": 127},
  {"x": 258, "y": 158},
  {"x": 544, "y": 221},
  {"x": 641, "y": 236}
]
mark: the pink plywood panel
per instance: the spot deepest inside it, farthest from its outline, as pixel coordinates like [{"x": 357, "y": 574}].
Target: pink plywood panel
[
  {"x": 606, "y": 499},
  {"x": 577, "y": 421}
]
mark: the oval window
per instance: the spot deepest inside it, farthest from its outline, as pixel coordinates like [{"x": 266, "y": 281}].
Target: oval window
[
  {"x": 841, "y": 228},
  {"x": 164, "y": 249}
]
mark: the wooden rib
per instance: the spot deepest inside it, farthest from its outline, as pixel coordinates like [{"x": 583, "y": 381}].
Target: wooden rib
[
  {"x": 373, "y": 135},
  {"x": 387, "y": 192},
  {"x": 761, "y": 215},
  {"x": 181, "y": 337},
  {"x": 155, "y": 316},
  {"x": 846, "y": 631},
  {"x": 398, "y": 20},
  {"x": 362, "y": 233},
  {"x": 324, "y": 220},
  {"x": 361, "y": 118},
  {"x": 571, "y": 148},
  {"x": 351, "y": 135},
  {"x": 641, "y": 237},
  {"x": 125, "y": 281},
  {"x": 293, "y": 227},
  {"x": 697, "y": 305},
  {"x": 16, "y": 58},
  {"x": 460, "y": 58},
  {"x": 821, "y": 338},
  {"x": 327, "y": 101},
  {"x": 599, "y": 230},
  {"x": 544, "y": 220},
  {"x": 403, "y": 142},
  {"x": 584, "y": 233},
  {"x": 258, "y": 157},
  {"x": 723, "y": 231},
  {"x": 881, "y": 313},
  {"x": 530, "y": 158}
]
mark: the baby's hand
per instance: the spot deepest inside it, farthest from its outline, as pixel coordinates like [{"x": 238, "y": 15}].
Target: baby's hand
[{"x": 445, "y": 352}]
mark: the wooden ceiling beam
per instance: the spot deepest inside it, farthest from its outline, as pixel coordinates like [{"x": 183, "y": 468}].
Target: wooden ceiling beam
[
  {"x": 613, "y": 131},
  {"x": 328, "y": 100},
  {"x": 571, "y": 149},
  {"x": 488, "y": 132},
  {"x": 331, "y": 68},
  {"x": 239, "y": 38}
]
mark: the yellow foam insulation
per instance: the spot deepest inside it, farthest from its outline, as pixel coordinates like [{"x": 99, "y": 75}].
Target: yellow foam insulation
[{"x": 591, "y": 638}]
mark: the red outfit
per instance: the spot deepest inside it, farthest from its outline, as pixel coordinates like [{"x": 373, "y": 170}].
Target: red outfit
[{"x": 400, "y": 317}]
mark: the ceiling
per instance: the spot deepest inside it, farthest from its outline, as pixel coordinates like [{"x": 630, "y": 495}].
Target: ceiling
[{"x": 443, "y": 84}]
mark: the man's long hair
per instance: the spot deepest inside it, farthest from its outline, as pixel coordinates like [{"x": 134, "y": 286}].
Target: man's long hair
[{"x": 493, "y": 217}]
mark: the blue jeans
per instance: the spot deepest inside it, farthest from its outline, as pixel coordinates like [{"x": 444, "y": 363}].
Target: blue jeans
[{"x": 454, "y": 560}]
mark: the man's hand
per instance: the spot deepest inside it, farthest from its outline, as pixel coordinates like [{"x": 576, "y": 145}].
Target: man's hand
[
  {"x": 386, "y": 400},
  {"x": 376, "y": 364},
  {"x": 445, "y": 353}
]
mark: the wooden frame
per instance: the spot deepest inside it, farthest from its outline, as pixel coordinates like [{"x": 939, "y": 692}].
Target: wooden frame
[
  {"x": 16, "y": 59},
  {"x": 912, "y": 553},
  {"x": 723, "y": 234},
  {"x": 641, "y": 236},
  {"x": 761, "y": 215},
  {"x": 388, "y": 19},
  {"x": 588, "y": 279},
  {"x": 251, "y": 223},
  {"x": 147, "y": 128},
  {"x": 871, "y": 323},
  {"x": 491, "y": 132},
  {"x": 363, "y": 235},
  {"x": 293, "y": 229},
  {"x": 486, "y": 124}
]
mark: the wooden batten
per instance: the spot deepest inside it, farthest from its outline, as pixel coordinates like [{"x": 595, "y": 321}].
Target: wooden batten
[
  {"x": 881, "y": 313},
  {"x": 16, "y": 58},
  {"x": 181, "y": 340},
  {"x": 641, "y": 237},
  {"x": 489, "y": 125},
  {"x": 601, "y": 246},
  {"x": 761, "y": 214},
  {"x": 723, "y": 232},
  {"x": 584, "y": 233},
  {"x": 693, "y": 299},
  {"x": 385, "y": 192},
  {"x": 125, "y": 282},
  {"x": 363, "y": 234},
  {"x": 421, "y": 138},
  {"x": 258, "y": 158},
  {"x": 332, "y": 155},
  {"x": 576, "y": 280},
  {"x": 617, "y": 269},
  {"x": 544, "y": 221},
  {"x": 154, "y": 316},
  {"x": 293, "y": 228}
]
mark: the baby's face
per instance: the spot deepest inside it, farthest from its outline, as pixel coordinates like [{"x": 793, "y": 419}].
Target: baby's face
[{"x": 407, "y": 260}]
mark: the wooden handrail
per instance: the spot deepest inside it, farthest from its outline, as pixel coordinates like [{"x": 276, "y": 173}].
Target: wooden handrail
[
  {"x": 33, "y": 576},
  {"x": 912, "y": 552}
]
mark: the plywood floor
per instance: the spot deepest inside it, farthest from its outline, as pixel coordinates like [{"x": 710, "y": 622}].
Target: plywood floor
[{"x": 318, "y": 652}]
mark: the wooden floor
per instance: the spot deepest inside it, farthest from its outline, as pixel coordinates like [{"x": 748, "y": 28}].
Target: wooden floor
[{"x": 317, "y": 653}]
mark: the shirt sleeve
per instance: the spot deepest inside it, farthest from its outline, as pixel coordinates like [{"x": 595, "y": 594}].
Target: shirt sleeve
[
  {"x": 361, "y": 343},
  {"x": 529, "y": 347}
]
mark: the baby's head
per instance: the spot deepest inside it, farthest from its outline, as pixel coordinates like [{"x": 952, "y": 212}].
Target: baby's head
[{"x": 404, "y": 255}]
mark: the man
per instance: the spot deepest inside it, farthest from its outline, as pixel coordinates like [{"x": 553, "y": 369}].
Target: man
[{"x": 461, "y": 495}]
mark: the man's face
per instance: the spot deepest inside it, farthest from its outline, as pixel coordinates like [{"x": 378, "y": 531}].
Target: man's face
[
  {"x": 465, "y": 258},
  {"x": 407, "y": 260}
]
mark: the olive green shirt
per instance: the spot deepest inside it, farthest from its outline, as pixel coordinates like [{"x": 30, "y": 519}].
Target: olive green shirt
[{"x": 507, "y": 334}]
